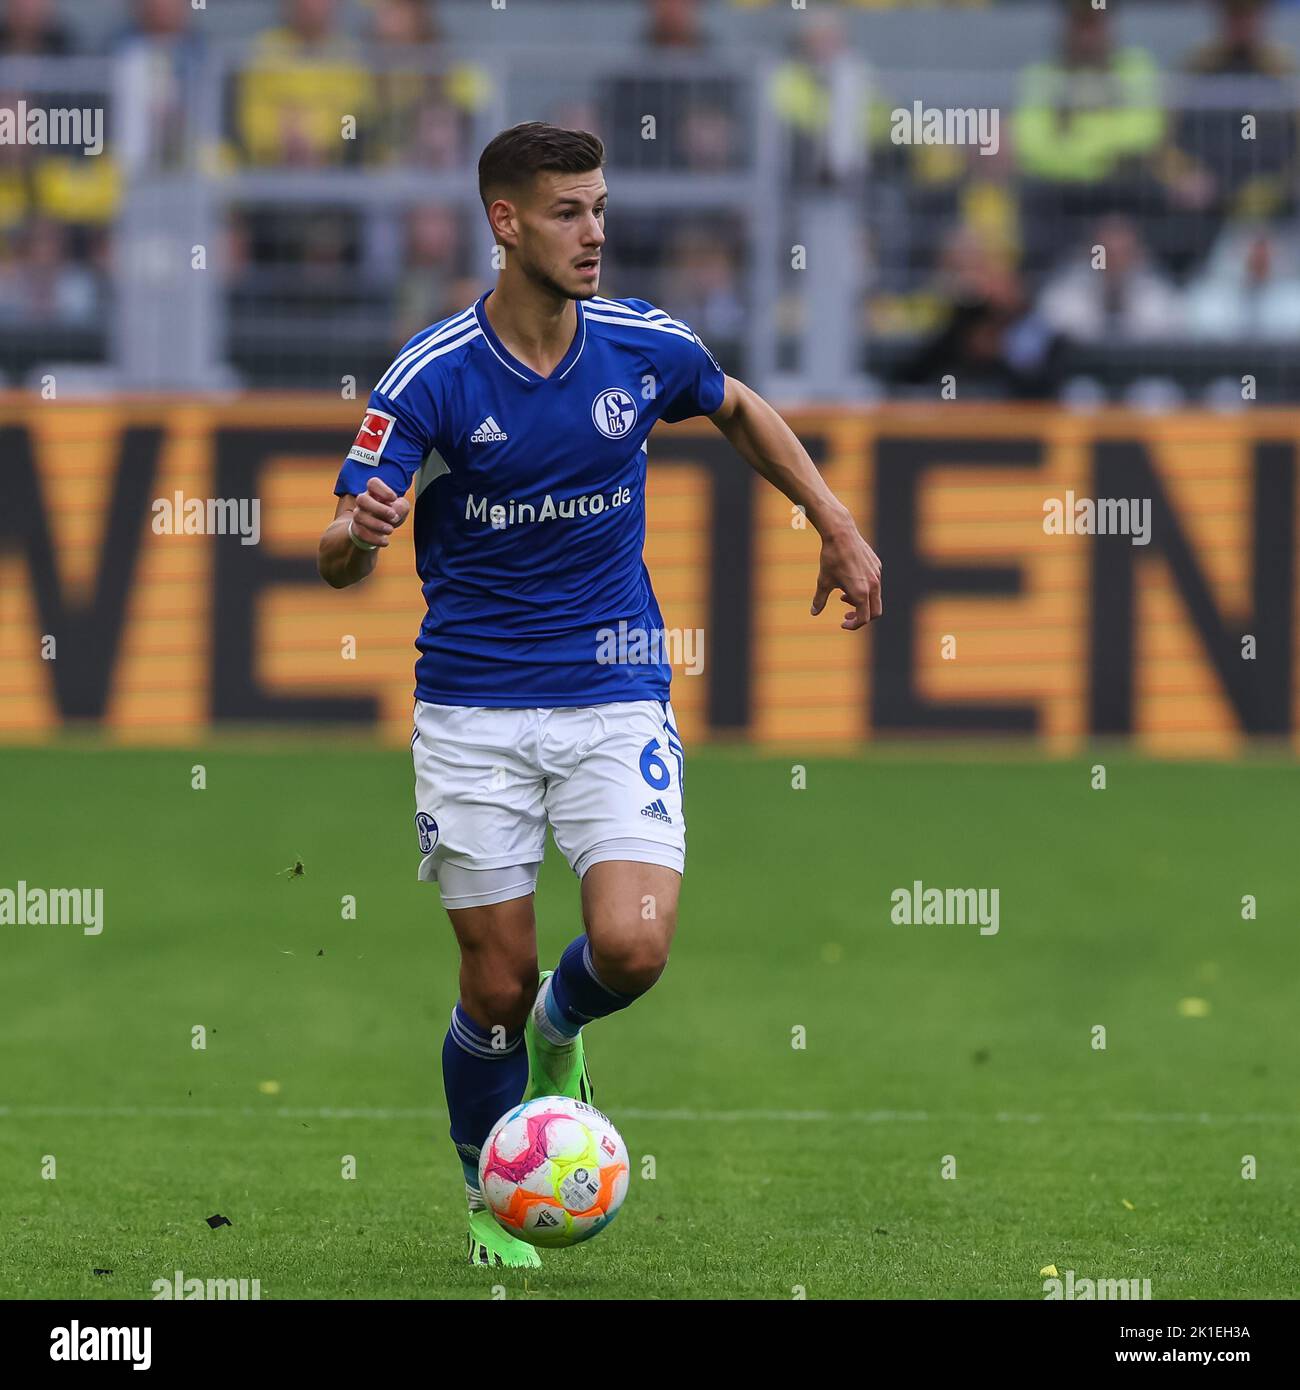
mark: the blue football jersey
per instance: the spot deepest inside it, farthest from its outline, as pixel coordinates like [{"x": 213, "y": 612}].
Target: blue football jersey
[{"x": 529, "y": 500}]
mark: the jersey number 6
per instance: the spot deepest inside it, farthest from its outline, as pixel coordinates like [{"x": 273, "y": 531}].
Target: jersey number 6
[{"x": 653, "y": 768}]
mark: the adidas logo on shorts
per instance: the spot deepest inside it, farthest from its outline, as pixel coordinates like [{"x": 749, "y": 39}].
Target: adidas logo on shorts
[
  {"x": 657, "y": 811},
  {"x": 489, "y": 432}
]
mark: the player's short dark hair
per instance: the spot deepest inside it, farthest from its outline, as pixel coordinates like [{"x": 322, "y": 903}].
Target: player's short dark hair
[{"x": 510, "y": 159}]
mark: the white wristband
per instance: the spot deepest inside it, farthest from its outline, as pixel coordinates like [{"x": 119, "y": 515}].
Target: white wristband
[{"x": 360, "y": 544}]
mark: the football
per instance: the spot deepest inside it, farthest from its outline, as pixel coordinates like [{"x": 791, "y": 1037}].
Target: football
[{"x": 554, "y": 1171}]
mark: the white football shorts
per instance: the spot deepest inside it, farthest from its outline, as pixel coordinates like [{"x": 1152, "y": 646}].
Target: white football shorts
[{"x": 606, "y": 778}]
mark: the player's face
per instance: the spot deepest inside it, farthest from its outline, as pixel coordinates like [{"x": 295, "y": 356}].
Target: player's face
[{"x": 561, "y": 232}]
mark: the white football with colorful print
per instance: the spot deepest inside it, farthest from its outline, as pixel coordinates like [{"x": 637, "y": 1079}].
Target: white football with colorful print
[{"x": 554, "y": 1171}]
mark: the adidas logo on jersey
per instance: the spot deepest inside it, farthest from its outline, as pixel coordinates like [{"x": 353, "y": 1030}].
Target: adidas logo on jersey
[
  {"x": 657, "y": 811},
  {"x": 489, "y": 432}
]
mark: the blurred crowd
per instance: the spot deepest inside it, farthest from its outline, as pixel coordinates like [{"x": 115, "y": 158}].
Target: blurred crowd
[
  {"x": 1112, "y": 216},
  {"x": 987, "y": 265}
]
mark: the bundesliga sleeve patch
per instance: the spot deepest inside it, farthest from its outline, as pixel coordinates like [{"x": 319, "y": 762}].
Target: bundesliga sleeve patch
[{"x": 371, "y": 437}]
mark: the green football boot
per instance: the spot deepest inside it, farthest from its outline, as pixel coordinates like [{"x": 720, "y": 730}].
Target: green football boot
[
  {"x": 555, "y": 1071},
  {"x": 490, "y": 1244}
]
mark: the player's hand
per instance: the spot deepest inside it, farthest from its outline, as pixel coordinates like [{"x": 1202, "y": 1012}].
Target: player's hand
[
  {"x": 378, "y": 513},
  {"x": 848, "y": 563}
]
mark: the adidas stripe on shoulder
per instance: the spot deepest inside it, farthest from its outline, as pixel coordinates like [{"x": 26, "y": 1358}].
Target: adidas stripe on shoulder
[
  {"x": 435, "y": 342},
  {"x": 627, "y": 313}
]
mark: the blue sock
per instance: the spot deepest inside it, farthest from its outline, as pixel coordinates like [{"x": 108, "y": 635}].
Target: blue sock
[
  {"x": 482, "y": 1083},
  {"x": 574, "y": 995}
]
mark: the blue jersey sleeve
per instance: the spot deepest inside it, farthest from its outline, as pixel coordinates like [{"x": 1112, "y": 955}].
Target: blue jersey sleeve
[
  {"x": 396, "y": 435},
  {"x": 694, "y": 383}
]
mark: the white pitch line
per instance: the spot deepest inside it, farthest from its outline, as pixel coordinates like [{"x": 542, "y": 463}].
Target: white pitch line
[{"x": 684, "y": 1116}]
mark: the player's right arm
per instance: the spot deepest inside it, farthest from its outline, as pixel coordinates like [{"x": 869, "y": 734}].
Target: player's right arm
[
  {"x": 396, "y": 435},
  {"x": 370, "y": 518}
]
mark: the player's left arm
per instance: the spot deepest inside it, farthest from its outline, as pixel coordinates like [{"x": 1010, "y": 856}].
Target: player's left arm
[{"x": 770, "y": 447}]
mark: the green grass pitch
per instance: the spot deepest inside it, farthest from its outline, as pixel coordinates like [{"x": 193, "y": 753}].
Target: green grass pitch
[{"x": 776, "y": 1168}]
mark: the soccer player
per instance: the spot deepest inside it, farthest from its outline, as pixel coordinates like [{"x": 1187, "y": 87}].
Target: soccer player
[{"x": 519, "y": 427}]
